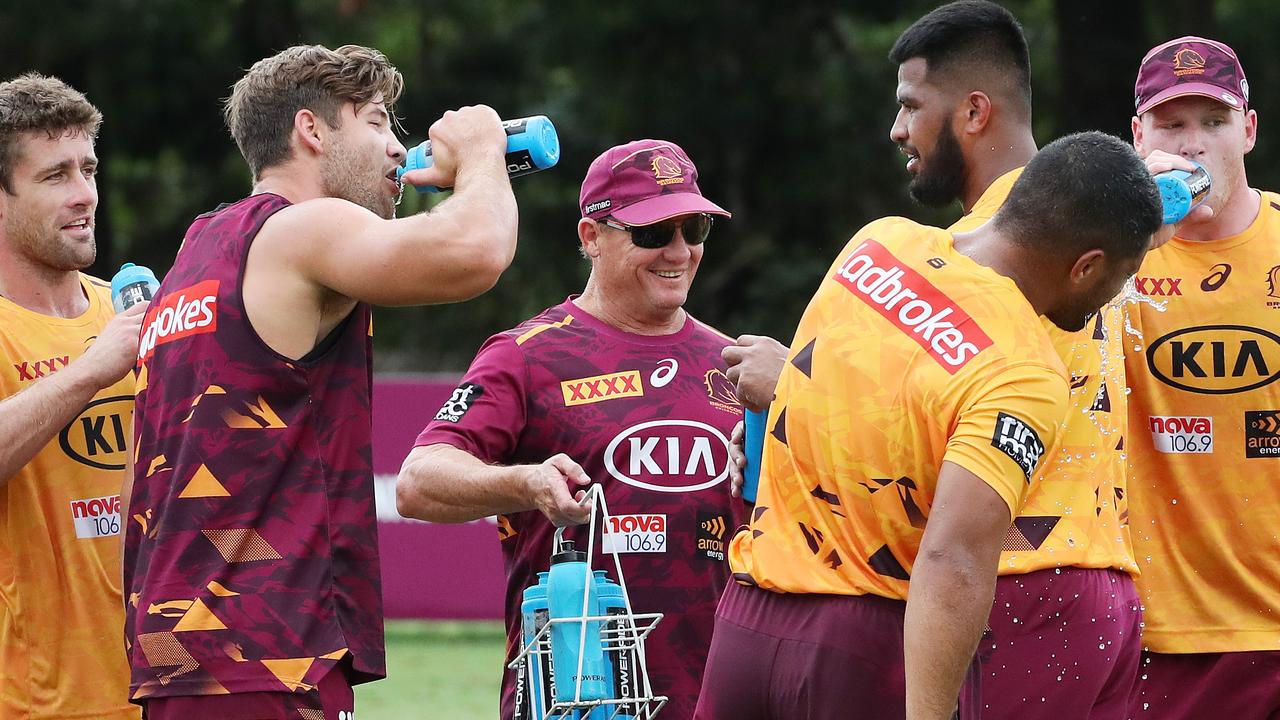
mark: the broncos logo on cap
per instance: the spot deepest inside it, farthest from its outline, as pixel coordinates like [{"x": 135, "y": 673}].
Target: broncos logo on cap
[
  {"x": 666, "y": 170},
  {"x": 1188, "y": 62}
]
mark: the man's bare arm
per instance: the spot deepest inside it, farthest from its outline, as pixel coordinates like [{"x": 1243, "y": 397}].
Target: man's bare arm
[{"x": 441, "y": 483}]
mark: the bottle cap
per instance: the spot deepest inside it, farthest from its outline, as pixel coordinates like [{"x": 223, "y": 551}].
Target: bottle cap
[{"x": 568, "y": 554}]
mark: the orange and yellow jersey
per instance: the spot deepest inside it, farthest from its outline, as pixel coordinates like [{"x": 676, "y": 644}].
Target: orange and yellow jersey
[
  {"x": 1076, "y": 514},
  {"x": 909, "y": 354},
  {"x": 1205, "y": 441},
  {"x": 61, "y": 613}
]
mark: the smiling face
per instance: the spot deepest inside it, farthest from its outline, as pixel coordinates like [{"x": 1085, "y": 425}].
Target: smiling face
[
  {"x": 652, "y": 284},
  {"x": 49, "y": 216},
  {"x": 361, "y": 157},
  {"x": 923, "y": 131}
]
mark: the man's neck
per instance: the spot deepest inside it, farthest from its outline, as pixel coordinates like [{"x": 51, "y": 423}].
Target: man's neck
[
  {"x": 987, "y": 247},
  {"x": 41, "y": 289},
  {"x": 615, "y": 314},
  {"x": 1235, "y": 218},
  {"x": 993, "y": 155},
  {"x": 290, "y": 182}
]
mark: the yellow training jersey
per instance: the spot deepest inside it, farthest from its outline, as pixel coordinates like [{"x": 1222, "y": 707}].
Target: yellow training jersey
[
  {"x": 1076, "y": 513},
  {"x": 61, "y": 615},
  {"x": 1204, "y": 422},
  {"x": 909, "y": 354}
]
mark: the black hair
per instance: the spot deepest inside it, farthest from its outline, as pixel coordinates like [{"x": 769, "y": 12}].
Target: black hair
[
  {"x": 970, "y": 33},
  {"x": 1082, "y": 192}
]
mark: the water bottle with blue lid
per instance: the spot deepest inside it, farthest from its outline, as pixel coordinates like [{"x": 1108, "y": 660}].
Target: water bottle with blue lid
[
  {"x": 131, "y": 285},
  {"x": 532, "y": 145},
  {"x": 1182, "y": 191},
  {"x": 569, "y": 582},
  {"x": 753, "y": 446}
]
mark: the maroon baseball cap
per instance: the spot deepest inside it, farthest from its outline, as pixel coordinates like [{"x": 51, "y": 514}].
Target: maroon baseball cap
[
  {"x": 643, "y": 182},
  {"x": 1190, "y": 66}
]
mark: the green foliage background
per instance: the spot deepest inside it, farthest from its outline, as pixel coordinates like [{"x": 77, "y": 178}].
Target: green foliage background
[{"x": 785, "y": 107}]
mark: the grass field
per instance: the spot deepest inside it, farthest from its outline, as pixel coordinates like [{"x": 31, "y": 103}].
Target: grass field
[{"x": 445, "y": 670}]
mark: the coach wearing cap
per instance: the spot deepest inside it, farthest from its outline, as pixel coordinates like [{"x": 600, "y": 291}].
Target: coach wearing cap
[
  {"x": 1204, "y": 415},
  {"x": 618, "y": 386}
]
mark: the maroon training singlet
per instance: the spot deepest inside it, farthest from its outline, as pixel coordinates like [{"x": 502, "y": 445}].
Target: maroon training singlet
[{"x": 251, "y": 555}]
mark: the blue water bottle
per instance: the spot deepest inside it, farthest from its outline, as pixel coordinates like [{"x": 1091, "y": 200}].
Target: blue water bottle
[
  {"x": 533, "y": 700},
  {"x": 753, "y": 446},
  {"x": 532, "y": 145},
  {"x": 131, "y": 285},
  {"x": 1182, "y": 191},
  {"x": 620, "y": 662},
  {"x": 569, "y": 581}
]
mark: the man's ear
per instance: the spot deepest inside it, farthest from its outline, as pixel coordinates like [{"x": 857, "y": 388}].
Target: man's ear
[
  {"x": 309, "y": 130},
  {"x": 976, "y": 109},
  {"x": 1088, "y": 267},
  {"x": 589, "y": 238}
]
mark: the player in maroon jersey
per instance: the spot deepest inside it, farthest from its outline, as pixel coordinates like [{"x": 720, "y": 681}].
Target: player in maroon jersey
[
  {"x": 620, "y": 386},
  {"x": 251, "y": 563}
]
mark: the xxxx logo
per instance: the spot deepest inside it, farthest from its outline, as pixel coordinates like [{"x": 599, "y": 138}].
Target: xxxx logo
[
  {"x": 33, "y": 370},
  {"x": 599, "y": 388},
  {"x": 1158, "y": 287}
]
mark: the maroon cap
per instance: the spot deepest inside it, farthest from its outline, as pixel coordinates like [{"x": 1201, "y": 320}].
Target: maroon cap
[
  {"x": 642, "y": 183},
  {"x": 1190, "y": 66}
]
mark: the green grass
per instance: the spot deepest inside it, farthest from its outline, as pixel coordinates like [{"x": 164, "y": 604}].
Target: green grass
[{"x": 446, "y": 670}]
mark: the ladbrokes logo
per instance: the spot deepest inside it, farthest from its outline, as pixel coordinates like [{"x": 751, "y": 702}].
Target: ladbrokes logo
[
  {"x": 96, "y": 438},
  {"x": 182, "y": 313},
  {"x": 1188, "y": 62},
  {"x": 1216, "y": 359},
  {"x": 584, "y": 391},
  {"x": 667, "y": 171},
  {"x": 913, "y": 305},
  {"x": 1262, "y": 433}
]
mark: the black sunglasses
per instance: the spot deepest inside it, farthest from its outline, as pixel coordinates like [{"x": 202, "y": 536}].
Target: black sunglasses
[{"x": 695, "y": 229}]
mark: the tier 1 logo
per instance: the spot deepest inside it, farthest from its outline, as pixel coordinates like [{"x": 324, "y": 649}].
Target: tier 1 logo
[{"x": 669, "y": 456}]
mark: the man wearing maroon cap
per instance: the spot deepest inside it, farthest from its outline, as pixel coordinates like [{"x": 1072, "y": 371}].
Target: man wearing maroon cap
[
  {"x": 1204, "y": 415},
  {"x": 618, "y": 385}
]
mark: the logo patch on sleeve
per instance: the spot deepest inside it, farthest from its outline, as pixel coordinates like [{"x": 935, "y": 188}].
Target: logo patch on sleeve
[
  {"x": 460, "y": 402},
  {"x": 1019, "y": 441}
]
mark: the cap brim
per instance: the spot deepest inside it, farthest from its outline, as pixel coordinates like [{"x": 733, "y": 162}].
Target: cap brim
[
  {"x": 665, "y": 207},
  {"x": 1212, "y": 92}
]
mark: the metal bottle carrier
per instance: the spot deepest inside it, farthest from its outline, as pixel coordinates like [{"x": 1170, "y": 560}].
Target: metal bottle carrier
[{"x": 620, "y": 633}]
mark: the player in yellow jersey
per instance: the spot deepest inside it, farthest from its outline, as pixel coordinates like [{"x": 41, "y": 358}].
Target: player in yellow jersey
[
  {"x": 66, "y": 398},
  {"x": 964, "y": 125},
  {"x": 920, "y": 396},
  {"x": 1204, "y": 415}
]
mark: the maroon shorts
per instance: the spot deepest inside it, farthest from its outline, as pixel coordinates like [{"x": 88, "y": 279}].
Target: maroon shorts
[
  {"x": 820, "y": 657},
  {"x": 1229, "y": 686},
  {"x": 331, "y": 699},
  {"x": 1063, "y": 644}
]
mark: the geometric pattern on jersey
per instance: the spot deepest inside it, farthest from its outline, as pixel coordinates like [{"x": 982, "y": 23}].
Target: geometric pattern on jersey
[
  {"x": 1087, "y": 469},
  {"x": 648, "y": 418},
  {"x": 1203, "y": 499},
  {"x": 909, "y": 354},
  {"x": 252, "y": 541}
]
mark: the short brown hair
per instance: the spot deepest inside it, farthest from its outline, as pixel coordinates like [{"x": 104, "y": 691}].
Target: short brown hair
[
  {"x": 263, "y": 103},
  {"x": 35, "y": 102}
]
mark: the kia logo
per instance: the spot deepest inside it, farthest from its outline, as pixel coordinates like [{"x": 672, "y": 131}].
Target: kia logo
[
  {"x": 1216, "y": 359},
  {"x": 669, "y": 456},
  {"x": 97, "y": 437}
]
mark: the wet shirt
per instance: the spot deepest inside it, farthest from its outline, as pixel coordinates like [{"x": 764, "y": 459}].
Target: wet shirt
[
  {"x": 648, "y": 418},
  {"x": 1204, "y": 422},
  {"x": 1076, "y": 514},
  {"x": 908, "y": 355},
  {"x": 251, "y": 557},
  {"x": 60, "y": 616}
]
